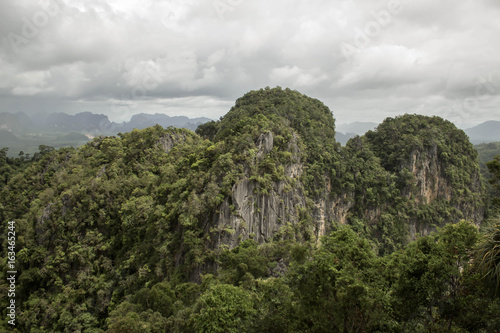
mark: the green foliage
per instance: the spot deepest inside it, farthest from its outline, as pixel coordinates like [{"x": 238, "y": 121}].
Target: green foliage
[
  {"x": 207, "y": 130},
  {"x": 494, "y": 168},
  {"x": 9, "y": 166},
  {"x": 128, "y": 318},
  {"x": 275, "y": 307},
  {"x": 244, "y": 261},
  {"x": 225, "y": 309},
  {"x": 428, "y": 277},
  {"x": 487, "y": 152},
  {"x": 396, "y": 138},
  {"x": 340, "y": 289},
  {"x": 488, "y": 253},
  {"x": 283, "y": 112},
  {"x": 309, "y": 117},
  {"x": 412, "y": 170}
]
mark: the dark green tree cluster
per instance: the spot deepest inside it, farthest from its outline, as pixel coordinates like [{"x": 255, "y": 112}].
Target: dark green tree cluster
[
  {"x": 486, "y": 153},
  {"x": 494, "y": 168},
  {"x": 10, "y": 165}
]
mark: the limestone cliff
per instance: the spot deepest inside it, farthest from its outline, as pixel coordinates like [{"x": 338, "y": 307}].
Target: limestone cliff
[
  {"x": 430, "y": 180},
  {"x": 407, "y": 177},
  {"x": 250, "y": 213},
  {"x": 404, "y": 184}
]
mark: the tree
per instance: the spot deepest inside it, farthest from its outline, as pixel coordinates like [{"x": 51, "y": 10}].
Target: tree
[
  {"x": 428, "y": 285},
  {"x": 340, "y": 289},
  {"x": 488, "y": 253},
  {"x": 224, "y": 308},
  {"x": 494, "y": 168},
  {"x": 207, "y": 130}
]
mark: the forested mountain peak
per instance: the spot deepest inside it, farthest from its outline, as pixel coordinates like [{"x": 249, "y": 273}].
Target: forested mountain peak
[
  {"x": 156, "y": 228},
  {"x": 286, "y": 114},
  {"x": 307, "y": 116},
  {"x": 395, "y": 139}
]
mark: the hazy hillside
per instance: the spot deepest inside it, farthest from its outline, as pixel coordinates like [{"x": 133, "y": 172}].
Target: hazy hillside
[
  {"x": 488, "y": 131},
  {"x": 343, "y": 138},
  {"x": 61, "y": 130},
  {"x": 349, "y": 131},
  {"x": 486, "y": 153},
  {"x": 143, "y": 120},
  {"x": 357, "y": 127},
  {"x": 257, "y": 222}
]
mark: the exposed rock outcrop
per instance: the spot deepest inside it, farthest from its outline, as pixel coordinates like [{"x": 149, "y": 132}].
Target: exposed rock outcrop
[
  {"x": 407, "y": 177},
  {"x": 250, "y": 213},
  {"x": 168, "y": 141},
  {"x": 430, "y": 179}
]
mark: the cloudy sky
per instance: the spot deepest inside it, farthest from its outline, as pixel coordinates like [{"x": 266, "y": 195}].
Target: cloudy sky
[{"x": 366, "y": 60}]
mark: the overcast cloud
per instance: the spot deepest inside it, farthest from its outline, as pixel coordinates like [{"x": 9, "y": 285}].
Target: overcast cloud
[{"x": 364, "y": 60}]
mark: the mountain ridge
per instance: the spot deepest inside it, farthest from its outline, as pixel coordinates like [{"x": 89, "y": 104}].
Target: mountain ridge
[
  {"x": 145, "y": 227},
  {"x": 485, "y": 132},
  {"x": 33, "y": 131}
]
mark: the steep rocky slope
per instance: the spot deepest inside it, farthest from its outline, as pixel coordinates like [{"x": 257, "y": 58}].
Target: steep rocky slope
[{"x": 407, "y": 177}]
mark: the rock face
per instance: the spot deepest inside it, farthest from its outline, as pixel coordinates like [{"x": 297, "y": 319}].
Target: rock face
[
  {"x": 249, "y": 213},
  {"x": 432, "y": 184},
  {"x": 167, "y": 142},
  {"x": 265, "y": 144},
  {"x": 407, "y": 177},
  {"x": 430, "y": 179},
  {"x": 257, "y": 216}
]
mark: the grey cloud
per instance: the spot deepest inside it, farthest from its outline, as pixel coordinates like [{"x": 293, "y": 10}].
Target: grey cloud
[{"x": 171, "y": 55}]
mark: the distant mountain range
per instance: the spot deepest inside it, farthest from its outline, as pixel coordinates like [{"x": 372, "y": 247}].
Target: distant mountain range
[
  {"x": 344, "y": 132},
  {"x": 486, "y": 132},
  {"x": 90, "y": 123},
  {"x": 21, "y": 132}
]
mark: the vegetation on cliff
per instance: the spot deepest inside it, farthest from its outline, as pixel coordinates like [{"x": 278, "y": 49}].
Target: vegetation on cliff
[
  {"x": 282, "y": 112},
  {"x": 124, "y": 234}
]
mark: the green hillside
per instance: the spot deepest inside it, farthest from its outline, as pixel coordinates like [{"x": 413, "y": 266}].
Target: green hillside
[{"x": 258, "y": 222}]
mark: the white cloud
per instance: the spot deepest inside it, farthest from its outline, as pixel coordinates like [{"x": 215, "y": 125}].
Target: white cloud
[
  {"x": 32, "y": 83},
  {"x": 296, "y": 76}
]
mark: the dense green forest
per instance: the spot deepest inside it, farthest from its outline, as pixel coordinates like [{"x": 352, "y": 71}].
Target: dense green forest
[{"x": 258, "y": 222}]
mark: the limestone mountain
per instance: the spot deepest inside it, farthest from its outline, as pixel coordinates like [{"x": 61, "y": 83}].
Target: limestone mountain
[
  {"x": 61, "y": 129},
  {"x": 144, "y": 120},
  {"x": 350, "y": 130},
  {"x": 407, "y": 177},
  {"x": 104, "y": 223}
]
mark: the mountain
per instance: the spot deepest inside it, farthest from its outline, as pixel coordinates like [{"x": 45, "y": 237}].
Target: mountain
[
  {"x": 358, "y": 127},
  {"x": 259, "y": 220},
  {"x": 486, "y": 153},
  {"x": 349, "y": 131},
  {"x": 84, "y": 122},
  {"x": 488, "y": 131},
  {"x": 51, "y": 130},
  {"x": 343, "y": 138},
  {"x": 7, "y": 136},
  {"x": 144, "y": 120},
  {"x": 15, "y": 122}
]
